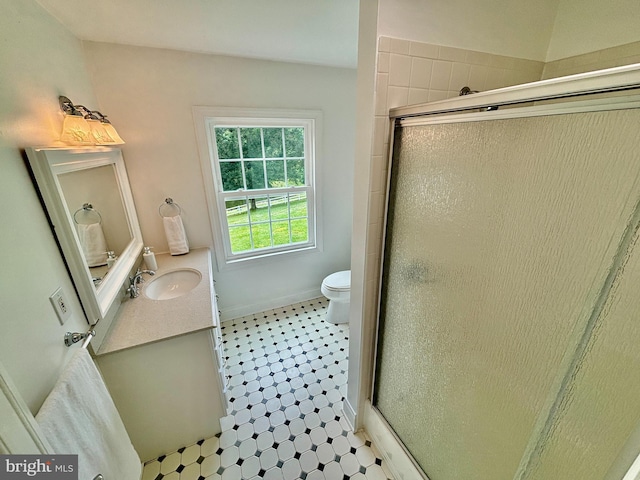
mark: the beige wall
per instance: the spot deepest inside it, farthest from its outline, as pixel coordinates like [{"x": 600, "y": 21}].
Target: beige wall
[
  {"x": 584, "y": 26},
  {"x": 149, "y": 94},
  {"x": 39, "y": 60},
  {"x": 596, "y": 60},
  {"x": 517, "y": 28}
]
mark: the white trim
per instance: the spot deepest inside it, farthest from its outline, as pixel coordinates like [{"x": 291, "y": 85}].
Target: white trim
[
  {"x": 19, "y": 432},
  {"x": 582, "y": 106},
  {"x": 204, "y": 119},
  {"x": 393, "y": 452},
  {"x": 634, "y": 470},
  {"x": 46, "y": 164},
  {"x": 244, "y": 310},
  {"x": 612, "y": 79},
  {"x": 349, "y": 413}
]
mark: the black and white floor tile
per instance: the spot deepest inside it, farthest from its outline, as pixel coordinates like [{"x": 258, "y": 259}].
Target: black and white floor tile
[{"x": 288, "y": 377}]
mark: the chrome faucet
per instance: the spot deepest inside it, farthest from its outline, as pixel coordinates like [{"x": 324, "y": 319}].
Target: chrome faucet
[{"x": 135, "y": 281}]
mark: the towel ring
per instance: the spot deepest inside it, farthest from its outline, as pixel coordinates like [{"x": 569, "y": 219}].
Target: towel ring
[
  {"x": 169, "y": 203},
  {"x": 88, "y": 209}
]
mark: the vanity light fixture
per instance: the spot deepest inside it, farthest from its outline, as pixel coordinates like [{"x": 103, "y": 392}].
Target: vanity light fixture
[
  {"x": 86, "y": 127},
  {"x": 109, "y": 128},
  {"x": 75, "y": 129}
]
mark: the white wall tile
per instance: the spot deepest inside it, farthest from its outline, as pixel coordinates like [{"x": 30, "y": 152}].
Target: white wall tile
[
  {"x": 399, "y": 46},
  {"x": 418, "y": 95},
  {"x": 424, "y": 50},
  {"x": 421, "y": 69},
  {"x": 500, "y": 61},
  {"x": 380, "y": 130},
  {"x": 399, "y": 70},
  {"x": 436, "y": 95},
  {"x": 478, "y": 77},
  {"x": 479, "y": 58},
  {"x": 378, "y": 173},
  {"x": 496, "y": 78},
  {"x": 459, "y": 76},
  {"x": 441, "y": 75},
  {"x": 384, "y": 44},
  {"x": 397, "y": 96},
  {"x": 452, "y": 54},
  {"x": 383, "y": 62},
  {"x": 382, "y": 84}
]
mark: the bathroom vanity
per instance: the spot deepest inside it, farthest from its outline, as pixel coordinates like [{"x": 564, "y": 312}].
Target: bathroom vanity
[{"x": 162, "y": 359}]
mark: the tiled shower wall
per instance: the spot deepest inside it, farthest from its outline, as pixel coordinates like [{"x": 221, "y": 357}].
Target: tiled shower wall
[
  {"x": 409, "y": 73},
  {"x": 598, "y": 60}
]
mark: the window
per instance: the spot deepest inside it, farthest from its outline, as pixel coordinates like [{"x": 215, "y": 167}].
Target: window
[{"x": 263, "y": 181}]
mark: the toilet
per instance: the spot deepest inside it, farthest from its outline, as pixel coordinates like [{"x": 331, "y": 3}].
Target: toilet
[{"x": 337, "y": 288}]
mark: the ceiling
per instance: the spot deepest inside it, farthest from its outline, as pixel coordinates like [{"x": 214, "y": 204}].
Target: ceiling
[{"x": 321, "y": 32}]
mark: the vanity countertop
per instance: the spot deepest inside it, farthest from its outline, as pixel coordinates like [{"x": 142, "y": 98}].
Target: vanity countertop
[{"x": 142, "y": 320}]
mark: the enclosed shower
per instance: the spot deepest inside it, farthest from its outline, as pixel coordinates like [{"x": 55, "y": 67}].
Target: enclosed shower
[{"x": 509, "y": 322}]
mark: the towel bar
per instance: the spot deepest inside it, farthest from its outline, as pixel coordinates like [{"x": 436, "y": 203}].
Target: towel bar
[
  {"x": 169, "y": 203},
  {"x": 74, "y": 337},
  {"x": 87, "y": 208}
]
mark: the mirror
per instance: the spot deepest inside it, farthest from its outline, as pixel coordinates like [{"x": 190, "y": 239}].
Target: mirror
[
  {"x": 99, "y": 217},
  {"x": 87, "y": 196}
]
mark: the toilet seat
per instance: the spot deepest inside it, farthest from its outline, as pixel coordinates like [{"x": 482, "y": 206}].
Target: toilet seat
[{"x": 338, "y": 282}]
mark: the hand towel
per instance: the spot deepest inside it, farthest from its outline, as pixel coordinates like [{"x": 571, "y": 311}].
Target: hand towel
[
  {"x": 93, "y": 244},
  {"x": 176, "y": 236},
  {"x": 79, "y": 417}
]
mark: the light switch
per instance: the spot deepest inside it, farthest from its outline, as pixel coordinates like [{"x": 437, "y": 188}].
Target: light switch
[{"x": 60, "y": 305}]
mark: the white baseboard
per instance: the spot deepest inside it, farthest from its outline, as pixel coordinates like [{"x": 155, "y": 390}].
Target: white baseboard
[
  {"x": 349, "y": 413},
  {"x": 270, "y": 304},
  {"x": 399, "y": 462}
]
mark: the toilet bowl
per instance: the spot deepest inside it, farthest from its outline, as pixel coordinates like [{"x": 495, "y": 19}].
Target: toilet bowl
[{"x": 337, "y": 288}]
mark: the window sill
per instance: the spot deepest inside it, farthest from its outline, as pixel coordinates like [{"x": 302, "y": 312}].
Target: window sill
[{"x": 264, "y": 258}]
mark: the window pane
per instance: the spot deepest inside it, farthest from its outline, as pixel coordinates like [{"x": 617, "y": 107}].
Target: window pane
[
  {"x": 251, "y": 143},
  {"x": 280, "y": 233},
  {"x": 227, "y": 141},
  {"x": 299, "y": 230},
  {"x": 279, "y": 207},
  {"x": 272, "y": 142},
  {"x": 254, "y": 173},
  {"x": 295, "y": 173},
  {"x": 299, "y": 205},
  {"x": 240, "y": 239},
  {"x": 258, "y": 209},
  {"x": 231, "y": 173},
  {"x": 237, "y": 212},
  {"x": 275, "y": 173},
  {"x": 294, "y": 141},
  {"x": 261, "y": 235}
]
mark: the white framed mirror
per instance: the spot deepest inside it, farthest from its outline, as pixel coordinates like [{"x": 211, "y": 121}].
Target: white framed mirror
[{"x": 88, "y": 199}]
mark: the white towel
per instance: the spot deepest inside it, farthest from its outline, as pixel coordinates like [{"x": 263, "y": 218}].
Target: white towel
[
  {"x": 93, "y": 244},
  {"x": 79, "y": 417},
  {"x": 176, "y": 236}
]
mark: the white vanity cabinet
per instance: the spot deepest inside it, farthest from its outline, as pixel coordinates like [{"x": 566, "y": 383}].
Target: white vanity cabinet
[{"x": 164, "y": 366}]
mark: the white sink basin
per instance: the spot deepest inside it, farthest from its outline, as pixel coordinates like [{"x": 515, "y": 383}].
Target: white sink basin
[{"x": 172, "y": 284}]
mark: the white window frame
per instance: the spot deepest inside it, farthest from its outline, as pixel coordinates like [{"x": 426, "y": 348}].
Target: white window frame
[{"x": 206, "y": 119}]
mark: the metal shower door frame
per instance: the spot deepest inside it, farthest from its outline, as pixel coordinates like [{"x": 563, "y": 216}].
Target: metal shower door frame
[{"x": 572, "y": 94}]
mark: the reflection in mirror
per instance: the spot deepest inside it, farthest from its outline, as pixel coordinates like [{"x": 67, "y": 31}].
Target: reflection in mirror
[
  {"x": 87, "y": 195},
  {"x": 99, "y": 216}
]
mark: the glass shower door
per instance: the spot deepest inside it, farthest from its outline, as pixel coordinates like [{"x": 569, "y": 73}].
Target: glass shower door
[{"x": 500, "y": 239}]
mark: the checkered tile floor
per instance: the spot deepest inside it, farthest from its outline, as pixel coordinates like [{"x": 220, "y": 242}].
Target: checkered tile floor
[{"x": 288, "y": 376}]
